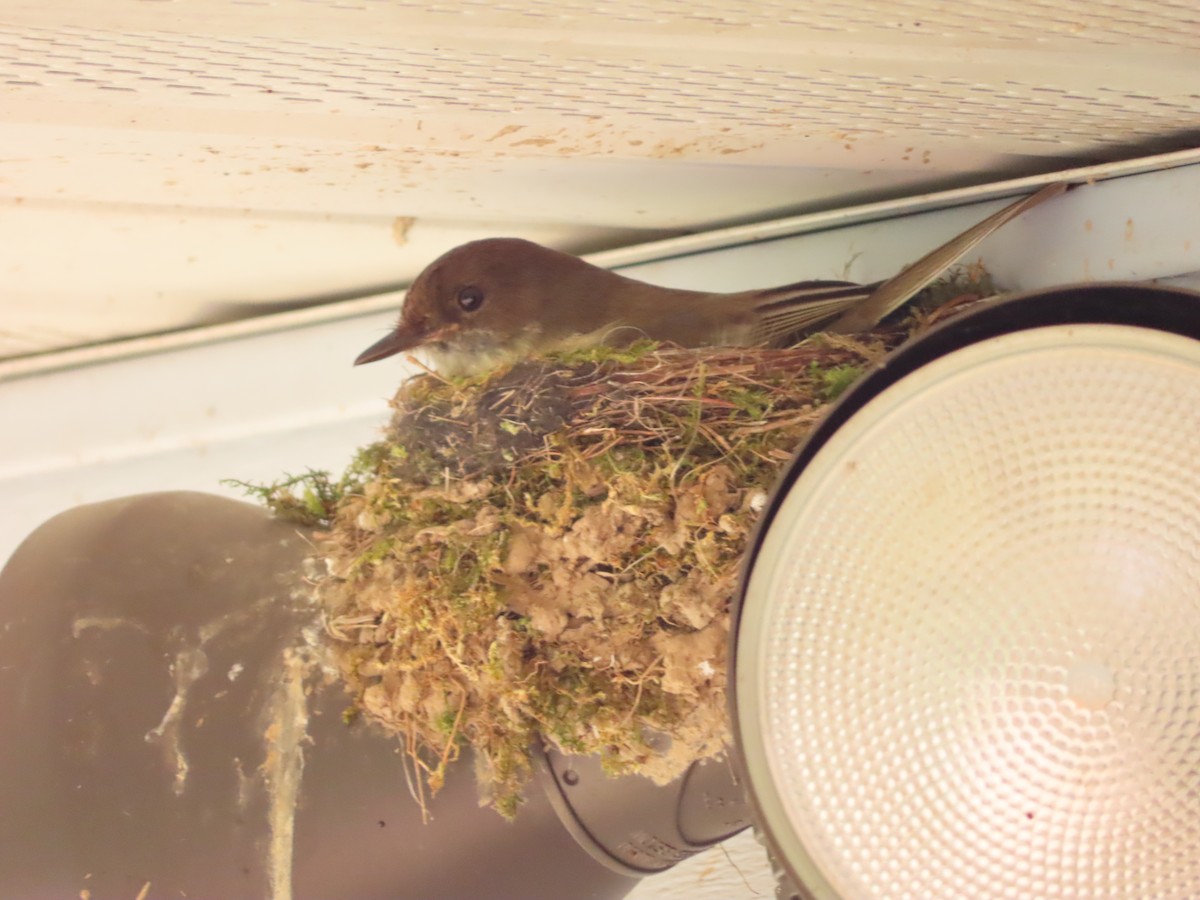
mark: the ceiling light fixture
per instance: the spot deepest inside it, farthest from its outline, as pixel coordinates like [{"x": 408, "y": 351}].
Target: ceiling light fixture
[{"x": 967, "y": 649}]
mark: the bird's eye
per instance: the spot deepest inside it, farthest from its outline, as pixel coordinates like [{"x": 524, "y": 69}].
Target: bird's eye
[{"x": 470, "y": 298}]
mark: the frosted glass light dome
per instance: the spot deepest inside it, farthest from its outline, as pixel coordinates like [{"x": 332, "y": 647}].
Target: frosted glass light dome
[{"x": 968, "y": 658}]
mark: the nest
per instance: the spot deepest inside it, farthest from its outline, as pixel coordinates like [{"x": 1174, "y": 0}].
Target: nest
[{"x": 549, "y": 552}]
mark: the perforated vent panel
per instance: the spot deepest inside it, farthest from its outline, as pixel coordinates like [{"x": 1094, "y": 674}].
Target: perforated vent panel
[
  {"x": 543, "y": 117},
  {"x": 777, "y": 92},
  {"x": 1025, "y": 73}
]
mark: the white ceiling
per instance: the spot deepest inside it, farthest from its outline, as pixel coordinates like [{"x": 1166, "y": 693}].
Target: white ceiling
[{"x": 164, "y": 164}]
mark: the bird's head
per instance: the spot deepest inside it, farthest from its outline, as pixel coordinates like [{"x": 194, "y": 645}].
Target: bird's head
[{"x": 491, "y": 294}]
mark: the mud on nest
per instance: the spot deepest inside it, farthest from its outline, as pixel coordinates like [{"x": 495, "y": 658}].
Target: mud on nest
[{"x": 551, "y": 550}]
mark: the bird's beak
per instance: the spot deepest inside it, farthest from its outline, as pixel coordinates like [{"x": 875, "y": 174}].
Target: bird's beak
[{"x": 404, "y": 337}]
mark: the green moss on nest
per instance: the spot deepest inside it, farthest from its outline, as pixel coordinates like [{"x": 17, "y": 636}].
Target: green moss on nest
[
  {"x": 554, "y": 551},
  {"x": 551, "y": 549},
  {"x": 312, "y": 499}
]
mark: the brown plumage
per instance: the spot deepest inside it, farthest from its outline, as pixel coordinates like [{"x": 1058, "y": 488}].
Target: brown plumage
[{"x": 496, "y": 300}]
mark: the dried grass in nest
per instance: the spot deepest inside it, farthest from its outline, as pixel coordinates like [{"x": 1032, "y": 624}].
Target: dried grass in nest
[{"x": 551, "y": 550}]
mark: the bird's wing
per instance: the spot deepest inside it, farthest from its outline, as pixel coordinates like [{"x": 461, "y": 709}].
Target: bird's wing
[
  {"x": 890, "y": 294},
  {"x": 807, "y": 305},
  {"x": 796, "y": 308}
]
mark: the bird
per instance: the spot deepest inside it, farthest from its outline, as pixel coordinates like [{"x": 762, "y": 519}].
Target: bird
[{"x": 498, "y": 300}]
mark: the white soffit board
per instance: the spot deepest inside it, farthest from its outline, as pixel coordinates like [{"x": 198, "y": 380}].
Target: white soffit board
[{"x": 170, "y": 163}]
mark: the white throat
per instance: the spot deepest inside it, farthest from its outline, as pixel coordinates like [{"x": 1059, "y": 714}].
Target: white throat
[{"x": 473, "y": 352}]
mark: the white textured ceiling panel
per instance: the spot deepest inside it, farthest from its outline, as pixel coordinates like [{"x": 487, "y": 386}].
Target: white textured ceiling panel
[{"x": 163, "y": 162}]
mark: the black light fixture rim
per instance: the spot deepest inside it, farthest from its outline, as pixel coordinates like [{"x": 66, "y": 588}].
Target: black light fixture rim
[{"x": 1135, "y": 304}]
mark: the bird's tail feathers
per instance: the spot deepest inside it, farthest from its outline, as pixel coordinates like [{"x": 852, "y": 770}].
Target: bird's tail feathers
[
  {"x": 890, "y": 294},
  {"x": 804, "y": 306}
]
